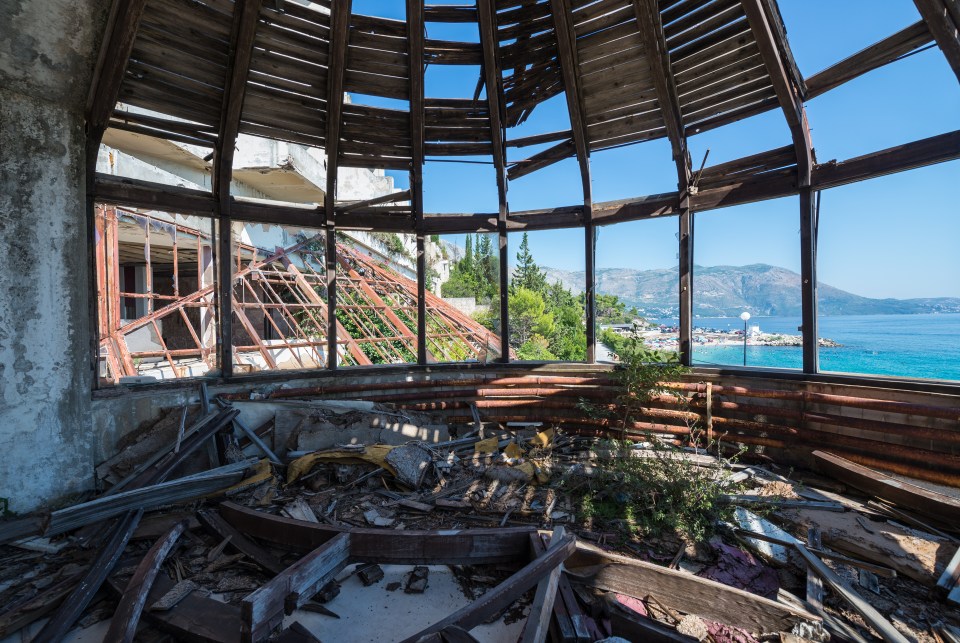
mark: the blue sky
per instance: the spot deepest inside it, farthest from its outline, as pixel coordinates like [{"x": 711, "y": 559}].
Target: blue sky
[{"x": 895, "y": 236}]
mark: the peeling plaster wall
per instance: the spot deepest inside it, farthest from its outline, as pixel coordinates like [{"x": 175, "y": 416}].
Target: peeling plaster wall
[{"x": 47, "y": 54}]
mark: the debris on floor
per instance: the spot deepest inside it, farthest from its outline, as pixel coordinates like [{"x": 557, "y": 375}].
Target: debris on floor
[{"x": 232, "y": 533}]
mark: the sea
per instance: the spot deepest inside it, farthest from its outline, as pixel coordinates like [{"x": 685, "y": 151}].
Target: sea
[{"x": 915, "y": 346}]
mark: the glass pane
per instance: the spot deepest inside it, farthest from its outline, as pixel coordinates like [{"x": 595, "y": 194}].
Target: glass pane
[
  {"x": 748, "y": 264},
  {"x": 637, "y": 284},
  {"x": 889, "y": 276},
  {"x": 463, "y": 316},
  {"x": 279, "y": 298},
  {"x": 547, "y": 317},
  {"x": 155, "y": 295},
  {"x": 376, "y": 303}
]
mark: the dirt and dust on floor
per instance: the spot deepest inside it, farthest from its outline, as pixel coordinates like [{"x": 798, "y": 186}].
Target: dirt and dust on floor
[{"x": 310, "y": 520}]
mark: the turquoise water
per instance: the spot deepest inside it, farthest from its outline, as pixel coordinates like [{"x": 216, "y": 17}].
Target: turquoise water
[{"x": 916, "y": 346}]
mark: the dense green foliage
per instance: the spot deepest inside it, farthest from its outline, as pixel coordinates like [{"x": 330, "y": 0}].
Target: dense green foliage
[{"x": 477, "y": 274}]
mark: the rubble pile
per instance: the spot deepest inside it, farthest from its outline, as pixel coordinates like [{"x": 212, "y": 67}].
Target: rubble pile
[{"x": 208, "y": 529}]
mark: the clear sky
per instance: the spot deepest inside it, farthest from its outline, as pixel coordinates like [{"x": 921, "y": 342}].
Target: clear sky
[{"x": 896, "y": 236}]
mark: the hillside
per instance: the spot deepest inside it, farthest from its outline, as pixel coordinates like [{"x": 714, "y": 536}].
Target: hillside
[{"x": 726, "y": 291}]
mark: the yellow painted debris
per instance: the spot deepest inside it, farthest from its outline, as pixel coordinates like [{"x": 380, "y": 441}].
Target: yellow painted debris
[
  {"x": 486, "y": 446},
  {"x": 542, "y": 439},
  {"x": 375, "y": 454}
]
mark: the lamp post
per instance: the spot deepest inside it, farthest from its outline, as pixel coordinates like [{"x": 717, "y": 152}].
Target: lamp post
[{"x": 744, "y": 316}]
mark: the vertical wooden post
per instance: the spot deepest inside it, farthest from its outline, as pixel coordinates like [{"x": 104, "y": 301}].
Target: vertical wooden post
[
  {"x": 339, "y": 26},
  {"x": 809, "y": 219},
  {"x": 492, "y": 77},
  {"x": 415, "y": 35},
  {"x": 686, "y": 284}
]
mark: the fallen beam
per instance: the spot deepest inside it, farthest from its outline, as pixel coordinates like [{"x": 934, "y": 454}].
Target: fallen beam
[
  {"x": 57, "y": 627},
  {"x": 873, "y": 618},
  {"x": 263, "y": 610},
  {"x": 123, "y": 626},
  {"x": 683, "y": 591},
  {"x": 875, "y": 483},
  {"x": 413, "y": 547},
  {"x": 538, "y": 622},
  {"x": 505, "y": 593}
]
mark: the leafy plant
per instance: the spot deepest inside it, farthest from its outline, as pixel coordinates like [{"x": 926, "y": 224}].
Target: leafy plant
[{"x": 655, "y": 489}]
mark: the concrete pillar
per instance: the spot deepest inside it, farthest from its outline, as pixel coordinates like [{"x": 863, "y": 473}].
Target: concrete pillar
[{"x": 47, "y": 54}]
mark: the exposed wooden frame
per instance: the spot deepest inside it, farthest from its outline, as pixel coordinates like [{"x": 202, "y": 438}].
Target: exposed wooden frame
[
  {"x": 415, "y": 36},
  {"x": 245, "y": 17},
  {"x": 492, "y": 77},
  {"x": 650, "y": 27},
  {"x": 336, "y": 72},
  {"x": 790, "y": 96},
  {"x": 873, "y": 57},
  {"x": 943, "y": 20},
  {"x": 929, "y": 151},
  {"x": 570, "y": 72}
]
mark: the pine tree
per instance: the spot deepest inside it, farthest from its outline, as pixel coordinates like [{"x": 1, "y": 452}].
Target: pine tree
[{"x": 527, "y": 274}]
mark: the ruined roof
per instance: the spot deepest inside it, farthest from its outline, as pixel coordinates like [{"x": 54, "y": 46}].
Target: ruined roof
[{"x": 629, "y": 70}]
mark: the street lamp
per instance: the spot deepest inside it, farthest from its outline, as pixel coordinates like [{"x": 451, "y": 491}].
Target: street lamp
[{"x": 744, "y": 316}]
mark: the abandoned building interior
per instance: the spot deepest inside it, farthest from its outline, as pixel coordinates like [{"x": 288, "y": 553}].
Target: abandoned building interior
[{"x": 252, "y": 388}]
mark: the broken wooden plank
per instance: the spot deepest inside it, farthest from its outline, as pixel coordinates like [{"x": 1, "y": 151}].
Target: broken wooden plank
[
  {"x": 196, "y": 618},
  {"x": 682, "y": 591},
  {"x": 262, "y": 610},
  {"x": 874, "y": 483},
  {"x": 538, "y": 621},
  {"x": 123, "y": 626},
  {"x": 408, "y": 547},
  {"x": 882, "y": 626},
  {"x": 71, "y": 609},
  {"x": 505, "y": 593},
  {"x": 149, "y": 497},
  {"x": 212, "y": 520}
]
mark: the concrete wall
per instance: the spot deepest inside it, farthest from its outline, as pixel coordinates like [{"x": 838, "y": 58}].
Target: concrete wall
[{"x": 47, "y": 54}]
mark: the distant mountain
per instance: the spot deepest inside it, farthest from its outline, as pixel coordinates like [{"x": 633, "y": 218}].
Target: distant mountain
[{"x": 726, "y": 291}]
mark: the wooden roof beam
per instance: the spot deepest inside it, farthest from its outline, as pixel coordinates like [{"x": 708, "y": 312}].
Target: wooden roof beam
[
  {"x": 943, "y": 20},
  {"x": 246, "y": 15},
  {"x": 112, "y": 62},
  {"x": 336, "y": 72},
  {"x": 650, "y": 26},
  {"x": 569, "y": 69},
  {"x": 788, "y": 93},
  {"x": 873, "y": 57}
]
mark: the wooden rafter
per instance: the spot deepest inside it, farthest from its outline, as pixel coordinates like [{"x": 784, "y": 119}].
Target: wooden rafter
[
  {"x": 876, "y": 55},
  {"x": 569, "y": 69},
  {"x": 492, "y": 78},
  {"x": 943, "y": 19},
  {"x": 788, "y": 94},
  {"x": 112, "y": 64}
]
